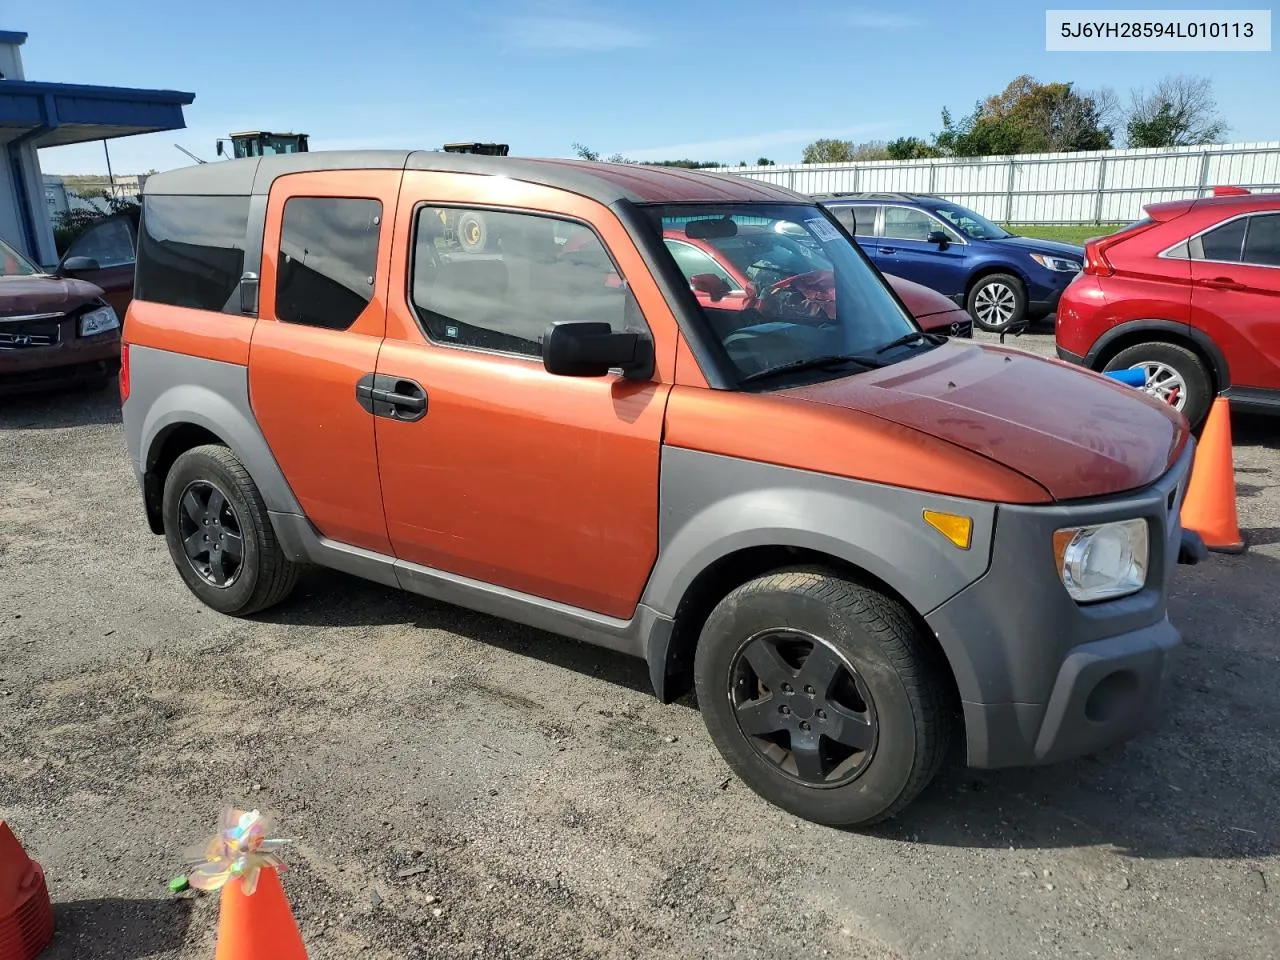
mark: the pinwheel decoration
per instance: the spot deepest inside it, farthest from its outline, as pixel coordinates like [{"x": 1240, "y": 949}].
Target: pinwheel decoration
[{"x": 240, "y": 849}]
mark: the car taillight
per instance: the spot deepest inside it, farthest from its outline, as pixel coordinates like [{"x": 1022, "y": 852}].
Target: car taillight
[
  {"x": 1096, "y": 263},
  {"x": 124, "y": 372}
]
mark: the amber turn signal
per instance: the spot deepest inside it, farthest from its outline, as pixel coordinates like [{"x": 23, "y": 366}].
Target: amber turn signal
[{"x": 957, "y": 529}]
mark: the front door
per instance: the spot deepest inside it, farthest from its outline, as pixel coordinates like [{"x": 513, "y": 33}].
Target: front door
[
  {"x": 105, "y": 255},
  {"x": 905, "y": 250},
  {"x": 506, "y": 474},
  {"x": 1235, "y": 296},
  {"x": 322, "y": 314}
]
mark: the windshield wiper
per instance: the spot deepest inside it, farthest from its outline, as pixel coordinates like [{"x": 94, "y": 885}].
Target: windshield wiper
[
  {"x": 812, "y": 363},
  {"x": 911, "y": 337}
]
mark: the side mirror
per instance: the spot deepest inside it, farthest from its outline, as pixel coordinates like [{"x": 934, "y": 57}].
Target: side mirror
[
  {"x": 219, "y": 148},
  {"x": 710, "y": 284},
  {"x": 940, "y": 238},
  {"x": 588, "y": 349},
  {"x": 79, "y": 265}
]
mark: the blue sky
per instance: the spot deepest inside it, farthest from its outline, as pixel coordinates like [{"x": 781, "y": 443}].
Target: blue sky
[{"x": 725, "y": 80}]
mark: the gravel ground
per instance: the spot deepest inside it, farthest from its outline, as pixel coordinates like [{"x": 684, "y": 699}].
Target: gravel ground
[{"x": 461, "y": 787}]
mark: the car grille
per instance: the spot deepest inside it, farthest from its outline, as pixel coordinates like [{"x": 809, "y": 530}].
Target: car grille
[{"x": 21, "y": 334}]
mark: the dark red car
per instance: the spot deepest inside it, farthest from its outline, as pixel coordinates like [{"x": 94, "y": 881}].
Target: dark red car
[
  {"x": 1190, "y": 294},
  {"x": 735, "y": 272}
]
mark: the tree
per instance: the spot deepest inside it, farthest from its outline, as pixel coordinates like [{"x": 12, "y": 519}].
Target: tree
[
  {"x": 909, "y": 148},
  {"x": 871, "y": 150},
  {"x": 1181, "y": 111},
  {"x": 765, "y": 162},
  {"x": 586, "y": 153},
  {"x": 828, "y": 151},
  {"x": 1029, "y": 117}
]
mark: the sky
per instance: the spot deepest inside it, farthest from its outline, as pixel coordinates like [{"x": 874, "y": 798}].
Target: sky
[{"x": 650, "y": 79}]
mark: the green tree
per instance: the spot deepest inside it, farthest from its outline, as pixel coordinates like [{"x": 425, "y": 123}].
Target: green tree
[
  {"x": 1029, "y": 117},
  {"x": 1180, "y": 111},
  {"x": 765, "y": 162},
  {"x": 909, "y": 148},
  {"x": 69, "y": 224},
  {"x": 828, "y": 151}
]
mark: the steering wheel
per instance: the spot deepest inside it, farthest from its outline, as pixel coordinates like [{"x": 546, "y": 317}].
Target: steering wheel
[{"x": 798, "y": 298}]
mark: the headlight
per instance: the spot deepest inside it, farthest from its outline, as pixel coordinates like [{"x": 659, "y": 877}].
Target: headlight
[
  {"x": 1104, "y": 561},
  {"x": 99, "y": 321},
  {"x": 1056, "y": 264}
]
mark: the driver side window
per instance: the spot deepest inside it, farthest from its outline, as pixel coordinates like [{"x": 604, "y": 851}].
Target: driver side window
[
  {"x": 904, "y": 223},
  {"x": 109, "y": 243}
]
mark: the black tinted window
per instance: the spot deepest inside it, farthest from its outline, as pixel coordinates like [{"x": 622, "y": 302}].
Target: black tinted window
[
  {"x": 1262, "y": 243},
  {"x": 328, "y": 256},
  {"x": 530, "y": 271},
  {"x": 1224, "y": 242},
  {"x": 191, "y": 250}
]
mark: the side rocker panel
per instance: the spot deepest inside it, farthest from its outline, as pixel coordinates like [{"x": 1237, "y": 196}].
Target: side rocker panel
[{"x": 172, "y": 389}]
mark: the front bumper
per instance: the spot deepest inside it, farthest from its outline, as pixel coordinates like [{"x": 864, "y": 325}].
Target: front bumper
[{"x": 1042, "y": 678}]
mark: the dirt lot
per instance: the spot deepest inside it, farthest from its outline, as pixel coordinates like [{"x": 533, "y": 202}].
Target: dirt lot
[{"x": 460, "y": 787}]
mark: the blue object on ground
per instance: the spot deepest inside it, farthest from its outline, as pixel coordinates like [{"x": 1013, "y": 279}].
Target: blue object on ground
[{"x": 1134, "y": 378}]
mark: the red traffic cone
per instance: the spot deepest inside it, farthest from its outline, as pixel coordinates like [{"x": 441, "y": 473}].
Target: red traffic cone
[
  {"x": 26, "y": 915},
  {"x": 258, "y": 925}
]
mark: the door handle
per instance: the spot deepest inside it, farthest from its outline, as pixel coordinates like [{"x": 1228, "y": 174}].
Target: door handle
[
  {"x": 396, "y": 398},
  {"x": 888, "y": 249},
  {"x": 1222, "y": 283}
]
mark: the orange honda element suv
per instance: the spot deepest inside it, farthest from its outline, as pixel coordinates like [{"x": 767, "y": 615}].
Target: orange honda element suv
[{"x": 853, "y": 538}]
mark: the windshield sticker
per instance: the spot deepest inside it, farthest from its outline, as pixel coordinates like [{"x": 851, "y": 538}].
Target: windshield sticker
[{"x": 823, "y": 230}]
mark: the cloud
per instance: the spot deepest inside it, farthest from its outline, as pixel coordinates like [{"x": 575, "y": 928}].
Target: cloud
[
  {"x": 570, "y": 33},
  {"x": 876, "y": 20},
  {"x": 732, "y": 149}
]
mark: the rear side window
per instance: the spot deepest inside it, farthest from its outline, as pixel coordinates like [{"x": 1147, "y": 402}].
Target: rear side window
[
  {"x": 328, "y": 257},
  {"x": 1262, "y": 242},
  {"x": 535, "y": 270},
  {"x": 1224, "y": 243},
  {"x": 191, "y": 251}
]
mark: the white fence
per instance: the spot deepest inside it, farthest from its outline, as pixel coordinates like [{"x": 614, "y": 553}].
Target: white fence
[{"x": 1103, "y": 186}]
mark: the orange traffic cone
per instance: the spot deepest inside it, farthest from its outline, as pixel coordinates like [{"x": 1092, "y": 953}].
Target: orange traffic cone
[
  {"x": 1210, "y": 505},
  {"x": 258, "y": 925},
  {"x": 26, "y": 915}
]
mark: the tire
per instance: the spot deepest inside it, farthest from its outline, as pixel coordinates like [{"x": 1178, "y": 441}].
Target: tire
[
  {"x": 473, "y": 233},
  {"x": 881, "y": 666},
  {"x": 1004, "y": 295},
  {"x": 263, "y": 575},
  {"x": 1166, "y": 364}
]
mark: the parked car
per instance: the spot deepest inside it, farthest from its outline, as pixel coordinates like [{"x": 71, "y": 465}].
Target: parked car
[
  {"x": 54, "y": 331},
  {"x": 104, "y": 255},
  {"x": 999, "y": 277},
  {"x": 796, "y": 516},
  {"x": 733, "y": 272},
  {"x": 1190, "y": 294}
]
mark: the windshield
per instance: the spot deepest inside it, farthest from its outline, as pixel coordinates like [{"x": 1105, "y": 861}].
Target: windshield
[
  {"x": 971, "y": 224},
  {"x": 781, "y": 286},
  {"x": 14, "y": 264}
]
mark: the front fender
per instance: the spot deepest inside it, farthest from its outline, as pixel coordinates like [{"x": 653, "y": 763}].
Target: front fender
[{"x": 714, "y": 506}]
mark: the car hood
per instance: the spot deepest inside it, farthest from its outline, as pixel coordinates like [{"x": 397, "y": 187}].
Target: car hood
[
  {"x": 1032, "y": 245},
  {"x": 1075, "y": 433},
  {"x": 920, "y": 300},
  {"x": 20, "y": 296}
]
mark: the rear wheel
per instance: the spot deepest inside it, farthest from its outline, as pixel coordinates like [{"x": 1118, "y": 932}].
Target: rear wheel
[
  {"x": 219, "y": 535},
  {"x": 819, "y": 694},
  {"x": 473, "y": 233},
  {"x": 997, "y": 302},
  {"x": 1173, "y": 374}
]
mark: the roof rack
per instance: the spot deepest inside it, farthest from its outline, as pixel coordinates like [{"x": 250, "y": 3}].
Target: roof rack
[{"x": 852, "y": 195}]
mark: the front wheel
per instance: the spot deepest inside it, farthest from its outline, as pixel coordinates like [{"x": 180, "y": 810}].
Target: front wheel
[
  {"x": 997, "y": 302},
  {"x": 219, "y": 535},
  {"x": 820, "y": 695},
  {"x": 1173, "y": 374}
]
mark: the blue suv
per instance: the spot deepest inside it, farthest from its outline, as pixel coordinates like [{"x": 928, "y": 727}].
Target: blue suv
[{"x": 999, "y": 277}]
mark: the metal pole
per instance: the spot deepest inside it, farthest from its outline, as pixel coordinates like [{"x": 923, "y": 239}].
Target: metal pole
[
  {"x": 111, "y": 177},
  {"x": 1008, "y": 203},
  {"x": 933, "y": 169},
  {"x": 1204, "y": 172},
  {"x": 1102, "y": 185}
]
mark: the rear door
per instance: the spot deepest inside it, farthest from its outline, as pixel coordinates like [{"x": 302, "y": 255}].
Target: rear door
[
  {"x": 106, "y": 256},
  {"x": 322, "y": 315},
  {"x": 1235, "y": 295},
  {"x": 860, "y": 220},
  {"x": 504, "y": 473},
  {"x": 906, "y": 251}
]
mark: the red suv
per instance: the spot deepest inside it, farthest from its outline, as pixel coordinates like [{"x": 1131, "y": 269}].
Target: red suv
[{"x": 1190, "y": 294}]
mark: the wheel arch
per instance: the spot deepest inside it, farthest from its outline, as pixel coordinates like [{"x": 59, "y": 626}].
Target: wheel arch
[
  {"x": 988, "y": 268},
  {"x": 671, "y": 666},
  {"x": 1134, "y": 332}
]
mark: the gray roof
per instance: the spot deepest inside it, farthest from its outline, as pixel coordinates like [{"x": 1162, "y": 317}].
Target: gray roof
[{"x": 603, "y": 182}]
